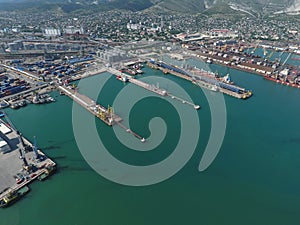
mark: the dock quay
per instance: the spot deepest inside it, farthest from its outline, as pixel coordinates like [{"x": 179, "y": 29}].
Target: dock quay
[
  {"x": 202, "y": 80},
  {"x": 275, "y": 71},
  {"x": 142, "y": 84},
  {"x": 150, "y": 87},
  {"x": 89, "y": 73},
  {"x": 243, "y": 66},
  {"x": 21, "y": 163},
  {"x": 106, "y": 115},
  {"x": 184, "y": 101},
  {"x": 24, "y": 93}
]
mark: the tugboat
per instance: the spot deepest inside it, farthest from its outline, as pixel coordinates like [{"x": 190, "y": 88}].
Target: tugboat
[
  {"x": 122, "y": 78},
  {"x": 49, "y": 170},
  {"x": 13, "y": 196}
]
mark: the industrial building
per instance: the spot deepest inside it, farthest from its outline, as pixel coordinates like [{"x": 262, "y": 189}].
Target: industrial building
[
  {"x": 4, "y": 146},
  {"x": 112, "y": 55}
]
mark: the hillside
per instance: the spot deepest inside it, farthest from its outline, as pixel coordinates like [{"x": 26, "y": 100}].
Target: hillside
[
  {"x": 68, "y": 6},
  {"x": 245, "y": 7},
  {"x": 251, "y": 7}
]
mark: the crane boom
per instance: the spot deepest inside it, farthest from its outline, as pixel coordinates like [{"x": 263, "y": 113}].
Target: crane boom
[{"x": 21, "y": 141}]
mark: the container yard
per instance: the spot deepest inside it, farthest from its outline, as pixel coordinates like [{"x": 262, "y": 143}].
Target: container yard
[
  {"x": 10, "y": 85},
  {"x": 48, "y": 71}
]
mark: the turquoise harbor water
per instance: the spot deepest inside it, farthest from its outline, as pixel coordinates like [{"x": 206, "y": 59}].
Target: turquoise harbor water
[{"x": 253, "y": 181}]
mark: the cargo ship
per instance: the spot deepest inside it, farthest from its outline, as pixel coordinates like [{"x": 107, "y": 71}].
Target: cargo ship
[
  {"x": 282, "y": 81},
  {"x": 205, "y": 79},
  {"x": 213, "y": 82},
  {"x": 13, "y": 196}
]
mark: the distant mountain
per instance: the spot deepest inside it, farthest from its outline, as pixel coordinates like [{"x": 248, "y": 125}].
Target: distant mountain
[
  {"x": 226, "y": 6},
  {"x": 68, "y": 6},
  {"x": 250, "y": 7}
]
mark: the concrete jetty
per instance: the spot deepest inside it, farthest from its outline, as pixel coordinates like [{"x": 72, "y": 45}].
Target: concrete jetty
[
  {"x": 105, "y": 114},
  {"x": 151, "y": 88}
]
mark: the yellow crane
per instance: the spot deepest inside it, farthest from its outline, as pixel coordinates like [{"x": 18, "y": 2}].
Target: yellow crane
[
  {"x": 224, "y": 48},
  {"x": 270, "y": 55},
  {"x": 101, "y": 114}
]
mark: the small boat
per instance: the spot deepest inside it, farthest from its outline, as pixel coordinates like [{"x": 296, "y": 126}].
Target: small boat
[
  {"x": 49, "y": 170},
  {"x": 209, "y": 61},
  {"x": 3, "y": 105},
  {"x": 2, "y": 114},
  {"x": 13, "y": 196},
  {"x": 15, "y": 106},
  {"x": 50, "y": 99},
  {"x": 22, "y": 103},
  {"x": 139, "y": 71},
  {"x": 196, "y": 107}
]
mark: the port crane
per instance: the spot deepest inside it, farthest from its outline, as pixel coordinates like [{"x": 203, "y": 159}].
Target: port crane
[
  {"x": 253, "y": 51},
  {"x": 287, "y": 58},
  {"x": 270, "y": 55},
  {"x": 265, "y": 52},
  {"x": 35, "y": 149},
  {"x": 21, "y": 141}
]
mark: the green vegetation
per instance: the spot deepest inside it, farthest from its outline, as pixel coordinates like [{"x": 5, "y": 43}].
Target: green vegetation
[
  {"x": 186, "y": 6},
  {"x": 223, "y": 9},
  {"x": 219, "y": 7},
  {"x": 69, "y": 7}
]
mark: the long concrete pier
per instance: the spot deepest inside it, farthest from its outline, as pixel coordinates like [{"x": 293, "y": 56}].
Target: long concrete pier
[
  {"x": 97, "y": 110},
  {"x": 151, "y": 88},
  {"x": 142, "y": 84},
  {"x": 104, "y": 114},
  {"x": 184, "y": 101},
  {"x": 89, "y": 73}
]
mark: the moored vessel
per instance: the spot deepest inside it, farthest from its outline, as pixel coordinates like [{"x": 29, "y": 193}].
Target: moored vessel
[{"x": 13, "y": 196}]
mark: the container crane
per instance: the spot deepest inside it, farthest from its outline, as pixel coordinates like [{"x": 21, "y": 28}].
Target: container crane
[
  {"x": 253, "y": 51},
  {"x": 35, "y": 149},
  {"x": 287, "y": 58},
  {"x": 265, "y": 52},
  {"x": 21, "y": 141},
  {"x": 270, "y": 55}
]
